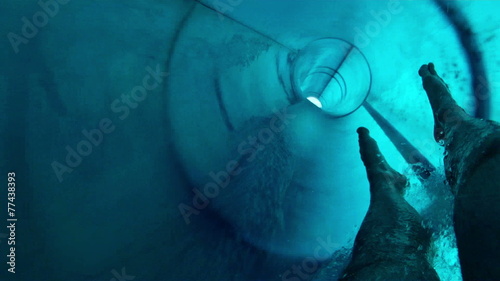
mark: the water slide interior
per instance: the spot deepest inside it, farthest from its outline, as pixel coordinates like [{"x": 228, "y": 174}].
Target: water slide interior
[{"x": 323, "y": 68}]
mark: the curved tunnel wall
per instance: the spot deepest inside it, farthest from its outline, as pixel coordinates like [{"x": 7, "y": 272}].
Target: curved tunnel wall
[
  {"x": 66, "y": 94},
  {"x": 219, "y": 115},
  {"x": 258, "y": 104}
]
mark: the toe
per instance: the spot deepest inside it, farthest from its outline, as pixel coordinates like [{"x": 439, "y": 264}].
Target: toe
[
  {"x": 427, "y": 70},
  {"x": 369, "y": 150},
  {"x": 432, "y": 70},
  {"x": 363, "y": 131},
  {"x": 424, "y": 71}
]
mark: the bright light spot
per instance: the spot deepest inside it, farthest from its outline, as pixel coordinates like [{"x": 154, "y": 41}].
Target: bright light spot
[{"x": 315, "y": 101}]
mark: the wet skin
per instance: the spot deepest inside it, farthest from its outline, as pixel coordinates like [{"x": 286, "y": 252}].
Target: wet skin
[
  {"x": 472, "y": 165},
  {"x": 391, "y": 244}
]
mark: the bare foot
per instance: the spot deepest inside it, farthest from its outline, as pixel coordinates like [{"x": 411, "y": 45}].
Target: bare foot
[
  {"x": 443, "y": 105},
  {"x": 379, "y": 172}
]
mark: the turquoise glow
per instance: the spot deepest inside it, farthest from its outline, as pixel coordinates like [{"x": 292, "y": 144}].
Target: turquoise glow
[{"x": 208, "y": 86}]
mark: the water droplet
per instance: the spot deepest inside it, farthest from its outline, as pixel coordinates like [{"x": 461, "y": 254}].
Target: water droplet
[
  {"x": 441, "y": 142},
  {"x": 378, "y": 155}
]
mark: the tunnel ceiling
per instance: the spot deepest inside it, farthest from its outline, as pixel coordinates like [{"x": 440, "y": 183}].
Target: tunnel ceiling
[{"x": 396, "y": 37}]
